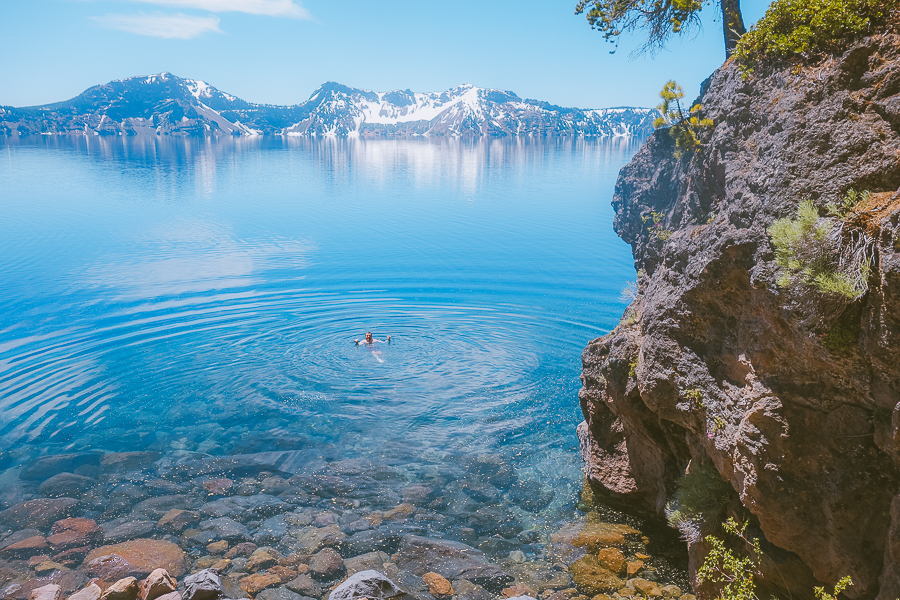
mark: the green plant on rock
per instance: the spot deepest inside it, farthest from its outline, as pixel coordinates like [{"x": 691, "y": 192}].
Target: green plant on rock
[
  {"x": 695, "y": 397},
  {"x": 723, "y": 566},
  {"x": 841, "y": 585},
  {"x": 632, "y": 368},
  {"x": 684, "y": 127},
  {"x": 840, "y": 339},
  {"x": 812, "y": 250},
  {"x": 657, "y": 230},
  {"x": 802, "y": 27},
  {"x": 700, "y": 500},
  {"x": 737, "y": 574}
]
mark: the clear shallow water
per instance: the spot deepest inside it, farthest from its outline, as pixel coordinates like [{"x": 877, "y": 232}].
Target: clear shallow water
[{"x": 190, "y": 296}]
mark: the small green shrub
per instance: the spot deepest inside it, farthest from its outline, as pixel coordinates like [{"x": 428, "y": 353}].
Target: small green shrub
[
  {"x": 657, "y": 230},
  {"x": 701, "y": 499},
  {"x": 792, "y": 27},
  {"x": 632, "y": 368},
  {"x": 809, "y": 248},
  {"x": 683, "y": 126},
  {"x": 737, "y": 573},
  {"x": 722, "y": 565},
  {"x": 695, "y": 397},
  {"x": 841, "y": 585}
]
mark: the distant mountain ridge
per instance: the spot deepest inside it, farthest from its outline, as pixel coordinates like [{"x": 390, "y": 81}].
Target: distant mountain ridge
[{"x": 164, "y": 104}]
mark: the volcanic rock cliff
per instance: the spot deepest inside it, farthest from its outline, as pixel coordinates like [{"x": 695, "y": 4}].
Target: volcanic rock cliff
[{"x": 715, "y": 366}]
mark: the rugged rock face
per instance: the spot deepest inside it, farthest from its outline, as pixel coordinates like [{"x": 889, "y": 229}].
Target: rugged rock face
[{"x": 714, "y": 364}]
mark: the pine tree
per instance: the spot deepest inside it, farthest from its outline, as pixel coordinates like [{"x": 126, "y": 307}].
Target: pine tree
[{"x": 660, "y": 18}]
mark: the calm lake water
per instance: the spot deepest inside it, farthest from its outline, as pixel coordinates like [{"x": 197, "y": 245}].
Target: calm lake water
[{"x": 200, "y": 299}]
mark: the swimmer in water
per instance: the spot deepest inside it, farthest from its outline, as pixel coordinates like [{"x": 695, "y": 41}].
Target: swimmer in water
[{"x": 370, "y": 342}]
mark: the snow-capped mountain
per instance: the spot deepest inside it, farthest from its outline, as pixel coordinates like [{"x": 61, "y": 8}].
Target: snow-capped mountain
[{"x": 168, "y": 105}]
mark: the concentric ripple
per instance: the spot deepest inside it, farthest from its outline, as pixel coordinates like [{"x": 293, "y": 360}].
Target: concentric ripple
[{"x": 205, "y": 296}]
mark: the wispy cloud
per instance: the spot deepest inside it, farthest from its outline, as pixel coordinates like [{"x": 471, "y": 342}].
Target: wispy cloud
[
  {"x": 272, "y": 8},
  {"x": 177, "y": 26}
]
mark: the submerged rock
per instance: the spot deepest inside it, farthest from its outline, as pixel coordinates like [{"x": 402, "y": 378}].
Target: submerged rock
[
  {"x": 204, "y": 585},
  {"x": 136, "y": 557},
  {"x": 453, "y": 560},
  {"x": 366, "y": 584},
  {"x": 38, "y": 513}
]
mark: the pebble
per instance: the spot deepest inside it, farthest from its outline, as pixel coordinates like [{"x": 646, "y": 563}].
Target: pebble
[
  {"x": 46, "y": 592},
  {"x": 304, "y": 584},
  {"x": 326, "y": 564},
  {"x": 177, "y": 520},
  {"x": 225, "y": 528},
  {"x": 438, "y": 585},
  {"x": 263, "y": 558},
  {"x": 244, "y": 549},
  {"x": 127, "y": 530},
  {"x": 253, "y": 584},
  {"x": 204, "y": 585},
  {"x": 123, "y": 589},
  {"x": 91, "y": 592},
  {"x": 72, "y": 532},
  {"x": 280, "y": 593},
  {"x": 366, "y": 584},
  {"x": 158, "y": 583},
  {"x": 219, "y": 547}
]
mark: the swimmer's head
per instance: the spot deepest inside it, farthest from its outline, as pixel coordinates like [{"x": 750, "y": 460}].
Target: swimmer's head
[{"x": 368, "y": 336}]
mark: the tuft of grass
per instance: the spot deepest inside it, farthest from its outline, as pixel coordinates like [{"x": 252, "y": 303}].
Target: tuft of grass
[
  {"x": 700, "y": 500},
  {"x": 810, "y": 249}
]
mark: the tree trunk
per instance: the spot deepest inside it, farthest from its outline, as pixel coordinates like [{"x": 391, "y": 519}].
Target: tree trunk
[{"x": 732, "y": 24}]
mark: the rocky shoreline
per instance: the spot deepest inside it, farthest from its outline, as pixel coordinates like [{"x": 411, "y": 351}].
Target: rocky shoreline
[
  {"x": 183, "y": 526},
  {"x": 789, "y": 394}
]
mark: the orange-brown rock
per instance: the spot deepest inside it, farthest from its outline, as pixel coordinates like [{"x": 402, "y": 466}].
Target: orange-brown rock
[
  {"x": 254, "y": 584},
  {"x": 284, "y": 573},
  {"x": 28, "y": 547},
  {"x": 518, "y": 590},
  {"x": 612, "y": 559},
  {"x": 400, "y": 512},
  {"x": 438, "y": 586},
  {"x": 647, "y": 588},
  {"x": 242, "y": 549},
  {"x": 135, "y": 557},
  {"x": 261, "y": 559},
  {"x": 591, "y": 578},
  {"x": 69, "y": 533},
  {"x": 633, "y": 567},
  {"x": 219, "y": 547}
]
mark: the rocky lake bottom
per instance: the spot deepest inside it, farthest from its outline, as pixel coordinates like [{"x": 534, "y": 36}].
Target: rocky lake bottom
[{"x": 462, "y": 527}]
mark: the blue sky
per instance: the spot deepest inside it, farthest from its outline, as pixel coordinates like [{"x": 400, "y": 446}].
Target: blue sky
[{"x": 279, "y": 51}]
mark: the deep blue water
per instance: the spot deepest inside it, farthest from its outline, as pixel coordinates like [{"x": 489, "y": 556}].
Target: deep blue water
[{"x": 191, "y": 295}]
